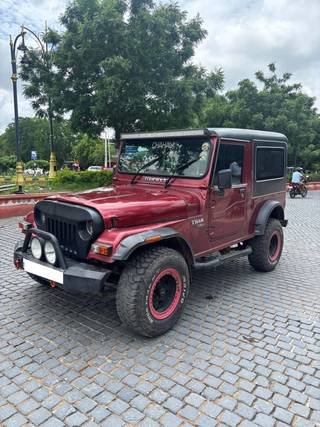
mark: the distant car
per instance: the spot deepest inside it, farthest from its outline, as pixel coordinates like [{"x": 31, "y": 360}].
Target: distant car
[
  {"x": 71, "y": 165},
  {"x": 94, "y": 168}
]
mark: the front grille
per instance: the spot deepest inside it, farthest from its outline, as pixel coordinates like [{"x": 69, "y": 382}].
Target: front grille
[
  {"x": 67, "y": 222},
  {"x": 65, "y": 232}
]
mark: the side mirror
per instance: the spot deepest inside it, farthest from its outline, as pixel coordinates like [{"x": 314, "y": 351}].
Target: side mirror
[{"x": 224, "y": 179}]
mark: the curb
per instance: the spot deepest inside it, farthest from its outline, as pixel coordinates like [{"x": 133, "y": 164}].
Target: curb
[{"x": 19, "y": 204}]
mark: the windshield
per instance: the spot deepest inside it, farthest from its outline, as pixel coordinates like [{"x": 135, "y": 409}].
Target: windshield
[{"x": 166, "y": 157}]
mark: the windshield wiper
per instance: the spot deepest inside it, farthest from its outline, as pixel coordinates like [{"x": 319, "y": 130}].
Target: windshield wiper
[
  {"x": 145, "y": 166},
  {"x": 184, "y": 166}
]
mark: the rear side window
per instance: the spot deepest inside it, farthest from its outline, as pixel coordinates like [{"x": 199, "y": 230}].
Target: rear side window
[{"x": 269, "y": 163}]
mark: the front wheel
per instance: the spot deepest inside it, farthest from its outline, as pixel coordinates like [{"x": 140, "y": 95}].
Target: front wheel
[
  {"x": 152, "y": 291},
  {"x": 267, "y": 249},
  {"x": 304, "y": 191}
]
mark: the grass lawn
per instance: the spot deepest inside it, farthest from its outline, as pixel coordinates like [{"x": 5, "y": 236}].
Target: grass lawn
[
  {"x": 67, "y": 181},
  {"x": 48, "y": 187}
]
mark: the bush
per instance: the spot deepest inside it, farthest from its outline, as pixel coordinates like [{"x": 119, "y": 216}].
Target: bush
[
  {"x": 33, "y": 164},
  {"x": 7, "y": 163},
  {"x": 314, "y": 177},
  {"x": 85, "y": 178}
]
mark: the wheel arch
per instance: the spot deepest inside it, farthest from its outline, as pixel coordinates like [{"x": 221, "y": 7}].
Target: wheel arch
[
  {"x": 164, "y": 236},
  {"x": 270, "y": 209}
]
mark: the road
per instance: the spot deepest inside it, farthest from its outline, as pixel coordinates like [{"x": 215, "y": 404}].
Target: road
[{"x": 246, "y": 351}]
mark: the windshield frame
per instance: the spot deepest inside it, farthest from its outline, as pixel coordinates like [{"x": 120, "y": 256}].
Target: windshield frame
[{"x": 203, "y": 139}]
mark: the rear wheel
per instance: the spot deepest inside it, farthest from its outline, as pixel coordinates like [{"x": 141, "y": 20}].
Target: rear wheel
[
  {"x": 152, "y": 291},
  {"x": 292, "y": 193},
  {"x": 267, "y": 249}
]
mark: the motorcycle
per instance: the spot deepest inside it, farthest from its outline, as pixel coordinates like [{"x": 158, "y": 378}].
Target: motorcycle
[{"x": 298, "y": 189}]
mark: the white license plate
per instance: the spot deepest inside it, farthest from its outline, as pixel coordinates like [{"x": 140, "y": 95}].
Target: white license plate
[{"x": 49, "y": 273}]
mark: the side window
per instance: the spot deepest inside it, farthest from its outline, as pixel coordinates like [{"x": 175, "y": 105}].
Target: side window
[
  {"x": 269, "y": 163},
  {"x": 230, "y": 156}
]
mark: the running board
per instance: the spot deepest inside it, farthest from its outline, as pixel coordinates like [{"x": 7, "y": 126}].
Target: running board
[{"x": 220, "y": 259}]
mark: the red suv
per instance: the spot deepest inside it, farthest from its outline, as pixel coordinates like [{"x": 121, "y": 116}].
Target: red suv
[{"x": 180, "y": 201}]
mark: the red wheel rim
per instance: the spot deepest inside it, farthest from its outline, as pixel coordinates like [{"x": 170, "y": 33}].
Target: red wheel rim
[
  {"x": 165, "y": 293},
  {"x": 275, "y": 246}
]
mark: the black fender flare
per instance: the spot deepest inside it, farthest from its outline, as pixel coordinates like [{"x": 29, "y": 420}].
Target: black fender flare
[
  {"x": 265, "y": 213},
  {"x": 129, "y": 244}
]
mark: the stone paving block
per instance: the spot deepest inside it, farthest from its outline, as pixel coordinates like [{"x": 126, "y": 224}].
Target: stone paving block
[
  {"x": 132, "y": 416},
  {"x": 211, "y": 409},
  {"x": 173, "y": 404},
  {"x": 195, "y": 400},
  {"x": 53, "y": 422},
  {"x": 264, "y": 420},
  {"x": 189, "y": 412},
  {"x": 230, "y": 419},
  {"x": 6, "y": 411},
  {"x": 300, "y": 410},
  {"x": 76, "y": 419},
  {"x": 245, "y": 412},
  {"x": 99, "y": 413},
  {"x": 39, "y": 416},
  {"x": 170, "y": 420},
  {"x": 15, "y": 420},
  {"x": 283, "y": 415},
  {"x": 113, "y": 421},
  {"x": 248, "y": 357},
  {"x": 28, "y": 406}
]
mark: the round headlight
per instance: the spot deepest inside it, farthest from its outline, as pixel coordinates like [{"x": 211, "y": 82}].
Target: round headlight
[
  {"x": 89, "y": 227},
  {"x": 50, "y": 252},
  {"x": 36, "y": 248},
  {"x": 40, "y": 217}
]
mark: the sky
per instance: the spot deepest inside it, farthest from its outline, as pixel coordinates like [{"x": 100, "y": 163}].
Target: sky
[{"x": 243, "y": 36}]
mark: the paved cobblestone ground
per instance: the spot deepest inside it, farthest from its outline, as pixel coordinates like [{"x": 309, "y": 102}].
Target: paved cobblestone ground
[{"x": 246, "y": 351}]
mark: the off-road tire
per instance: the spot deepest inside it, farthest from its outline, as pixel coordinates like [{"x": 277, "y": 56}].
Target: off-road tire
[
  {"x": 263, "y": 257},
  {"x": 39, "y": 279},
  {"x": 135, "y": 286}
]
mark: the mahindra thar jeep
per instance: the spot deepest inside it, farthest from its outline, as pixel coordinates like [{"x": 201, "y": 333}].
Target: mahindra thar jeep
[{"x": 180, "y": 201}]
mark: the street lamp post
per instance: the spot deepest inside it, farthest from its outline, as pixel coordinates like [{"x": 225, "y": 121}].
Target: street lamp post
[
  {"x": 44, "y": 49},
  {"x": 14, "y": 78}
]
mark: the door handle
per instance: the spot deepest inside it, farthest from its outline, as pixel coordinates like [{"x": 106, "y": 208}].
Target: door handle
[{"x": 242, "y": 190}]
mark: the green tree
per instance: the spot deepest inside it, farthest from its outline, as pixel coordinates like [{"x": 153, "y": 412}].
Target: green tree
[
  {"x": 37, "y": 73},
  {"x": 275, "y": 105},
  {"x": 34, "y": 135},
  {"x": 89, "y": 151},
  {"x": 128, "y": 65}
]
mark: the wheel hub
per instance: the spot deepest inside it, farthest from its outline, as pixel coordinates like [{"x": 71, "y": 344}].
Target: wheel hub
[{"x": 165, "y": 293}]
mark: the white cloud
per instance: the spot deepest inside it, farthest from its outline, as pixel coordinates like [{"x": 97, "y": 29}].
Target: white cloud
[{"x": 243, "y": 36}]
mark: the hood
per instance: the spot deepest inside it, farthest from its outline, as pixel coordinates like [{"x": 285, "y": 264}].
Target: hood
[{"x": 131, "y": 205}]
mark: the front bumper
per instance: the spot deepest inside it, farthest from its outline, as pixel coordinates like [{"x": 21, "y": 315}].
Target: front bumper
[{"x": 70, "y": 275}]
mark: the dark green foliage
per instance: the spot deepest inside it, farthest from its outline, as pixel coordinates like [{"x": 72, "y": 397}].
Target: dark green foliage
[
  {"x": 86, "y": 178},
  {"x": 127, "y": 65},
  {"x": 89, "y": 151},
  {"x": 33, "y": 164},
  {"x": 38, "y": 73},
  {"x": 275, "y": 105},
  {"x": 7, "y": 164},
  {"x": 34, "y": 136}
]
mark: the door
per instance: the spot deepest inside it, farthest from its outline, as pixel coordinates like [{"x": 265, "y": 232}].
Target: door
[{"x": 227, "y": 208}]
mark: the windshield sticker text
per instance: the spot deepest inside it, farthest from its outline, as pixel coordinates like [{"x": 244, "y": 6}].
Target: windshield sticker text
[
  {"x": 154, "y": 179},
  {"x": 169, "y": 145}
]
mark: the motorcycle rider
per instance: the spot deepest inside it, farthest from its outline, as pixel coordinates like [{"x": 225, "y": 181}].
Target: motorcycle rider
[{"x": 297, "y": 177}]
